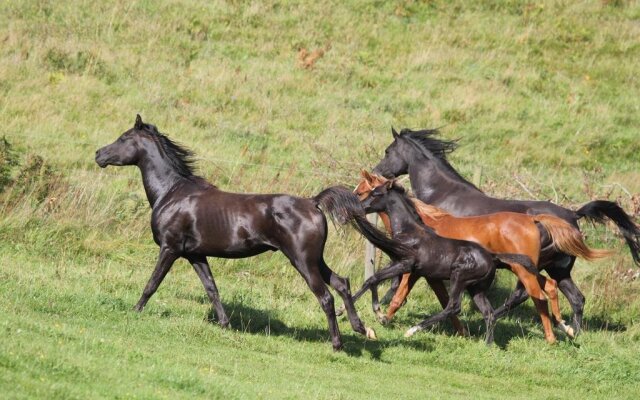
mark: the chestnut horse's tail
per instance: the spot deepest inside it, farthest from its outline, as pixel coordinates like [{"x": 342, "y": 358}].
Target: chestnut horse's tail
[
  {"x": 598, "y": 210},
  {"x": 343, "y": 206},
  {"x": 568, "y": 239}
]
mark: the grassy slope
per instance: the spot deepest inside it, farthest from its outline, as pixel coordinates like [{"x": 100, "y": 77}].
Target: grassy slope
[{"x": 545, "y": 90}]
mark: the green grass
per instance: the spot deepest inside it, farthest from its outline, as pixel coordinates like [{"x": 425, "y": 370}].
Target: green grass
[{"x": 543, "y": 95}]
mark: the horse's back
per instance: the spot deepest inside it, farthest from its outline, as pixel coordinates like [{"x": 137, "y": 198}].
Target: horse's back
[{"x": 209, "y": 221}]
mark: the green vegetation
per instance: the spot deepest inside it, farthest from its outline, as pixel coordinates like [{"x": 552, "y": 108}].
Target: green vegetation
[{"x": 544, "y": 96}]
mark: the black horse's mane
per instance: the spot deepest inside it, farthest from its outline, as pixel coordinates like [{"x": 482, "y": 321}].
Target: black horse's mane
[
  {"x": 439, "y": 148},
  {"x": 180, "y": 157}
]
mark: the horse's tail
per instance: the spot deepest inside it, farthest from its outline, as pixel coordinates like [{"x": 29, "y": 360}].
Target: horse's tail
[
  {"x": 568, "y": 239},
  {"x": 508, "y": 258},
  {"x": 598, "y": 210},
  {"x": 343, "y": 206}
]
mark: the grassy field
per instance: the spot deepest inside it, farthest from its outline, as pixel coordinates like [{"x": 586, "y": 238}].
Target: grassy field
[{"x": 543, "y": 95}]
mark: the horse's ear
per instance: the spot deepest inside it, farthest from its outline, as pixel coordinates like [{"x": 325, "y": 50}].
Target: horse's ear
[
  {"x": 394, "y": 133},
  {"x": 139, "y": 123},
  {"x": 365, "y": 174}
]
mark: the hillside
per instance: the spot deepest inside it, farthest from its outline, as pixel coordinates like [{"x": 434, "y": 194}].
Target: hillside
[{"x": 291, "y": 97}]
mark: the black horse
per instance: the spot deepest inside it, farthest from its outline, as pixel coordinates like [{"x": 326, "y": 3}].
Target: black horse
[
  {"x": 434, "y": 181},
  {"x": 193, "y": 219},
  {"x": 466, "y": 264}
]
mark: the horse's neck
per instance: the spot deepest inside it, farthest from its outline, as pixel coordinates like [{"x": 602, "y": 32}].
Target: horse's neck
[
  {"x": 436, "y": 187},
  {"x": 158, "y": 177},
  {"x": 403, "y": 217}
]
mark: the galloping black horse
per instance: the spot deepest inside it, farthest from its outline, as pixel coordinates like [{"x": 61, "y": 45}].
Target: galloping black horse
[
  {"x": 436, "y": 182},
  {"x": 193, "y": 219},
  {"x": 466, "y": 264}
]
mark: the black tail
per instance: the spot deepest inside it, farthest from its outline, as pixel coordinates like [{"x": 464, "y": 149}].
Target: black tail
[
  {"x": 343, "y": 206},
  {"x": 598, "y": 210},
  {"x": 523, "y": 260}
]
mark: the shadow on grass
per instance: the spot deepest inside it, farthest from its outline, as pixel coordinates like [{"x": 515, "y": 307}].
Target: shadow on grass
[{"x": 251, "y": 320}]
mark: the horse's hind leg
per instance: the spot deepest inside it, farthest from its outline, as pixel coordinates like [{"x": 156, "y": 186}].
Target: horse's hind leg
[
  {"x": 443, "y": 297},
  {"x": 341, "y": 285},
  {"x": 534, "y": 290},
  {"x": 562, "y": 274},
  {"x": 201, "y": 266},
  {"x": 163, "y": 265},
  {"x": 550, "y": 288},
  {"x": 481, "y": 300}
]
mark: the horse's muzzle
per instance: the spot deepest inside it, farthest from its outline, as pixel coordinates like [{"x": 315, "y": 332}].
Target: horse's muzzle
[{"x": 101, "y": 159}]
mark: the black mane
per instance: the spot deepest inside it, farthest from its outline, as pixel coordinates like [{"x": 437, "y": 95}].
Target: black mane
[
  {"x": 180, "y": 157},
  {"x": 438, "y": 148}
]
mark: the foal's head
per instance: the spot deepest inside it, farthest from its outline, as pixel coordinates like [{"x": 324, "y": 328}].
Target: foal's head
[
  {"x": 141, "y": 142},
  {"x": 368, "y": 183},
  {"x": 379, "y": 197}
]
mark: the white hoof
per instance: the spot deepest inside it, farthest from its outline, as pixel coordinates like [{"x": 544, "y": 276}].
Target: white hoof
[
  {"x": 411, "y": 331},
  {"x": 570, "y": 332},
  {"x": 340, "y": 310},
  {"x": 371, "y": 334}
]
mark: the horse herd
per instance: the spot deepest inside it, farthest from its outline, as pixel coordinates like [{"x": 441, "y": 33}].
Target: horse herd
[{"x": 450, "y": 231}]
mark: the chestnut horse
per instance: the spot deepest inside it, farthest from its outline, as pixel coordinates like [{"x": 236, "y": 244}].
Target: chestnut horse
[
  {"x": 467, "y": 265},
  {"x": 503, "y": 232}
]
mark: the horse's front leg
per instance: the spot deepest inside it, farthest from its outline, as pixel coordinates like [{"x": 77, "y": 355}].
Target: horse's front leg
[
  {"x": 165, "y": 261},
  {"x": 393, "y": 269}
]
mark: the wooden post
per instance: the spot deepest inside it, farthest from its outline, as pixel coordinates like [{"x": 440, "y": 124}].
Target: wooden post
[{"x": 370, "y": 251}]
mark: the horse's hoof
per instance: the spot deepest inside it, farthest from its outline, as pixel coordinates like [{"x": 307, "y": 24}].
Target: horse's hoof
[
  {"x": 337, "y": 347},
  {"x": 384, "y": 320},
  {"x": 567, "y": 329},
  {"x": 225, "y": 325},
  {"x": 371, "y": 334},
  {"x": 340, "y": 310},
  {"x": 410, "y": 332}
]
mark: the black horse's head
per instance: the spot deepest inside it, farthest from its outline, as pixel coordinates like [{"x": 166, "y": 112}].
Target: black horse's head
[
  {"x": 144, "y": 142},
  {"x": 411, "y": 147},
  {"x": 394, "y": 162},
  {"x": 127, "y": 149}
]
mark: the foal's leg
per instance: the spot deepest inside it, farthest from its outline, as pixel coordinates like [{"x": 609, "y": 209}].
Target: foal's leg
[
  {"x": 163, "y": 265},
  {"x": 518, "y": 296},
  {"x": 394, "y": 268},
  {"x": 440, "y": 290},
  {"x": 452, "y": 308},
  {"x": 395, "y": 284},
  {"x": 481, "y": 300},
  {"x": 201, "y": 266}
]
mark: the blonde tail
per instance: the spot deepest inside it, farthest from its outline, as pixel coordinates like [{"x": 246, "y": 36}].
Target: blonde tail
[{"x": 568, "y": 239}]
